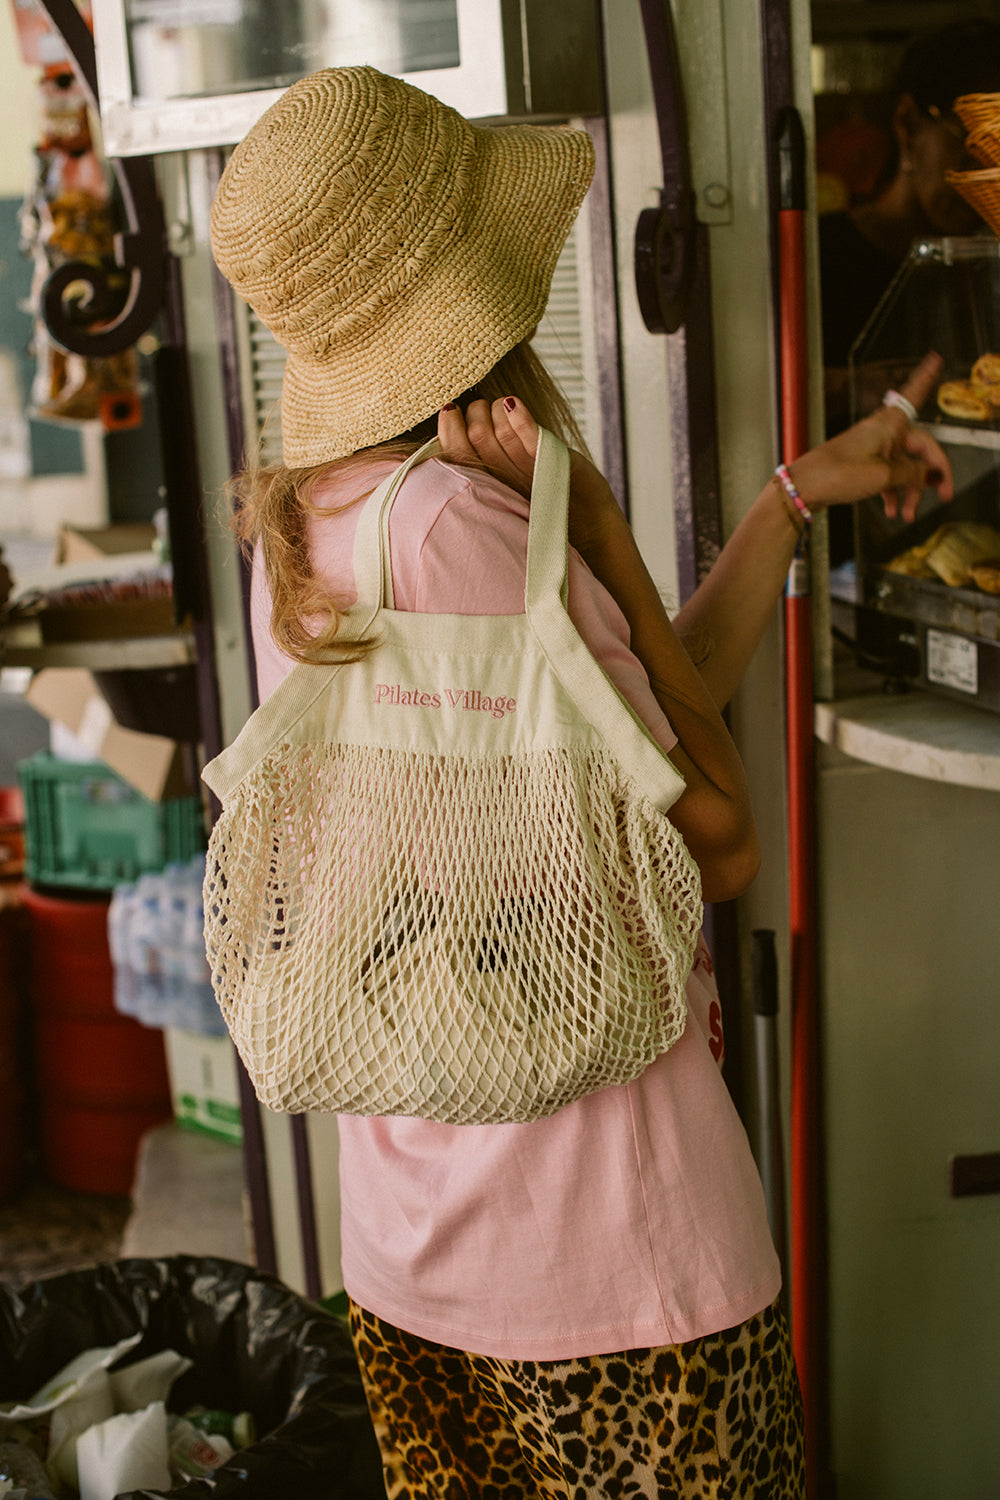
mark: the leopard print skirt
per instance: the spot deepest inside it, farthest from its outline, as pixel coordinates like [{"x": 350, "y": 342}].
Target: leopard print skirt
[{"x": 718, "y": 1418}]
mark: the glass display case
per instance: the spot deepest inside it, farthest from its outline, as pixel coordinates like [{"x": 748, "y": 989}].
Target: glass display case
[
  {"x": 926, "y": 596},
  {"x": 183, "y": 74}
]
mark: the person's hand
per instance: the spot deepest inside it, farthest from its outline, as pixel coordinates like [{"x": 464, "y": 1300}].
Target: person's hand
[
  {"x": 504, "y": 437},
  {"x": 881, "y": 455}
]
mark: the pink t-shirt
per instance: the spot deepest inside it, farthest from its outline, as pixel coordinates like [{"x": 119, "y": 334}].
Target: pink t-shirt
[{"x": 634, "y": 1217}]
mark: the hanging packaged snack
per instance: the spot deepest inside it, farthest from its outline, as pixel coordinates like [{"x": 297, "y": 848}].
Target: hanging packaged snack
[{"x": 70, "y": 217}]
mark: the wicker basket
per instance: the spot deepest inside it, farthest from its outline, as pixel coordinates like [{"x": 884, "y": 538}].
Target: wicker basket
[
  {"x": 982, "y": 190},
  {"x": 976, "y": 110},
  {"x": 984, "y": 144}
]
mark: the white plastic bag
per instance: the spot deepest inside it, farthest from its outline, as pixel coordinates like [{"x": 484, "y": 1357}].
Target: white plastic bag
[{"x": 128, "y": 1452}]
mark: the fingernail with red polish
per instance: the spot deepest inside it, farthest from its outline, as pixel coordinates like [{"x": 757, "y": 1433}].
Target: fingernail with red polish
[
  {"x": 449, "y": 406},
  {"x": 509, "y": 403}
]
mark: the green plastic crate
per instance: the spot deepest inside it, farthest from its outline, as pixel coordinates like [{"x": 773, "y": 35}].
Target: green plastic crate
[{"x": 86, "y": 827}]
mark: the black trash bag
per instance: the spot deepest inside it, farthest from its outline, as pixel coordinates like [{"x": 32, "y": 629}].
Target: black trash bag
[{"x": 256, "y": 1347}]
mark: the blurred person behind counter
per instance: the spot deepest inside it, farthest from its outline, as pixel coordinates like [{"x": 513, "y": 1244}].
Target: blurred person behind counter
[{"x": 863, "y": 246}]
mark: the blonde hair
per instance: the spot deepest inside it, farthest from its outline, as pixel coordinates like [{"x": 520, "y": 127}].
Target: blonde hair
[{"x": 273, "y": 505}]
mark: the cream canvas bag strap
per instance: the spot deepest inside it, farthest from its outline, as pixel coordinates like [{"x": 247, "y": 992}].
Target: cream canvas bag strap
[
  {"x": 297, "y": 692},
  {"x": 593, "y": 692},
  {"x": 372, "y": 562}
]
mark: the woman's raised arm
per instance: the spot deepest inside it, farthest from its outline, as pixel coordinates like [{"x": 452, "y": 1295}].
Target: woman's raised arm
[
  {"x": 883, "y": 454},
  {"x": 713, "y": 813}
]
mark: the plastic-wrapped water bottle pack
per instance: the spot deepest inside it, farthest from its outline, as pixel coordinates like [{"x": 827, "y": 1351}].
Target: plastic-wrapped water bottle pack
[{"x": 157, "y": 942}]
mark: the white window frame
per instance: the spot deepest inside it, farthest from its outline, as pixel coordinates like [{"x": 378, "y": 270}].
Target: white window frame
[{"x": 477, "y": 88}]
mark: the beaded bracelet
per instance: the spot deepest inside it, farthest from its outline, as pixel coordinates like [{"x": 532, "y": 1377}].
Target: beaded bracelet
[
  {"x": 783, "y": 480},
  {"x": 798, "y": 525}
]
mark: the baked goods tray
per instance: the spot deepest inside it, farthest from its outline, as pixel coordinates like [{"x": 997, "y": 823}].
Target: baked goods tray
[
  {"x": 969, "y": 611},
  {"x": 965, "y": 434}
]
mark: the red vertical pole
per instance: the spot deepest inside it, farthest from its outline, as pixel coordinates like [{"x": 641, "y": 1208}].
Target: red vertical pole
[{"x": 806, "y": 1246}]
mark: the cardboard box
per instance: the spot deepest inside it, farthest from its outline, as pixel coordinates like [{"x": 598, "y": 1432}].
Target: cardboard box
[
  {"x": 155, "y": 766},
  {"x": 115, "y": 620},
  {"x": 203, "y": 1083},
  {"x": 84, "y": 543},
  {"x": 122, "y": 590}
]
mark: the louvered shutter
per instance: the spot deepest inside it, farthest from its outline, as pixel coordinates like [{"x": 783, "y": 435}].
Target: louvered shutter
[{"x": 559, "y": 341}]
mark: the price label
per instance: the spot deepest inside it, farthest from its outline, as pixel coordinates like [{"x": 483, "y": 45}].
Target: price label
[{"x": 952, "y": 661}]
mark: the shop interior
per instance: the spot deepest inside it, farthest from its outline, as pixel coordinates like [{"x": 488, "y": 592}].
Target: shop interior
[{"x": 85, "y": 474}]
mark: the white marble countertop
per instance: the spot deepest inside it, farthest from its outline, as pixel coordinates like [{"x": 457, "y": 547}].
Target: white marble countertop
[{"x": 917, "y": 733}]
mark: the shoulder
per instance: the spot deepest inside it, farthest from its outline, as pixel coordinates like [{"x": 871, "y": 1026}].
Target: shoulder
[
  {"x": 459, "y": 542},
  {"x": 437, "y": 486}
]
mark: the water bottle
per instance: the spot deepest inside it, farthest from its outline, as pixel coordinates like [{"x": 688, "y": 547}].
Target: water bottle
[
  {"x": 205, "y": 1012},
  {"x": 173, "y": 905},
  {"x": 145, "y": 951},
  {"x": 120, "y": 913}
]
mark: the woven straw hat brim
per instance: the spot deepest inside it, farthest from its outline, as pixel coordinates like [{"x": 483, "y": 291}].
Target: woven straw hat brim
[
  {"x": 485, "y": 291},
  {"x": 395, "y": 250}
]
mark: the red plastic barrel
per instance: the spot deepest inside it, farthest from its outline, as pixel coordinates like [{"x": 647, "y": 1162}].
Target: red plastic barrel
[
  {"x": 11, "y": 833},
  {"x": 13, "y": 1062},
  {"x": 102, "y": 1078}
]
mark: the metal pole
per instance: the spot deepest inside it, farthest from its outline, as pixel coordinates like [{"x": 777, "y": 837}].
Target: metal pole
[{"x": 771, "y": 1154}]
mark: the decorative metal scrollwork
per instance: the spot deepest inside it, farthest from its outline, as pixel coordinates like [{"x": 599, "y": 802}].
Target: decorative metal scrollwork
[{"x": 140, "y": 251}]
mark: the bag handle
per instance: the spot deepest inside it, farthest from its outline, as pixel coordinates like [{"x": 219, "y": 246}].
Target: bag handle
[
  {"x": 372, "y": 563},
  {"x": 548, "y": 519},
  {"x": 547, "y": 536}
]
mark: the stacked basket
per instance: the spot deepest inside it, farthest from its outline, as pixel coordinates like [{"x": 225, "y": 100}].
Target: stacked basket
[{"x": 980, "y": 114}]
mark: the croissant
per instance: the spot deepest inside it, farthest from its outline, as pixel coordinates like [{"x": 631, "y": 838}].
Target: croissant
[
  {"x": 960, "y": 548},
  {"x": 986, "y": 370},
  {"x": 986, "y": 575},
  {"x": 960, "y": 398},
  {"x": 910, "y": 565}
]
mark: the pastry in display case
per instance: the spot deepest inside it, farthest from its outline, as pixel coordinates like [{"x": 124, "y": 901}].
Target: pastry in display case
[{"x": 924, "y": 597}]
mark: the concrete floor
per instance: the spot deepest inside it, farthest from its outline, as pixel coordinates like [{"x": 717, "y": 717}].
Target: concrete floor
[{"x": 188, "y": 1198}]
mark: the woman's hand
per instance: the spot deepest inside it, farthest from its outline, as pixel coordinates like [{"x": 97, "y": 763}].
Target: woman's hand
[
  {"x": 504, "y": 437},
  {"x": 883, "y": 454}
]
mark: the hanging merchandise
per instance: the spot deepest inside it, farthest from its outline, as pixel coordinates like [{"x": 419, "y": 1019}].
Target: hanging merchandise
[
  {"x": 40, "y": 45},
  {"x": 69, "y": 216}
]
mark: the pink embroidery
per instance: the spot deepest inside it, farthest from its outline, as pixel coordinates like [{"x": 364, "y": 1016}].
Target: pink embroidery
[
  {"x": 405, "y": 697},
  {"x": 470, "y": 699}
]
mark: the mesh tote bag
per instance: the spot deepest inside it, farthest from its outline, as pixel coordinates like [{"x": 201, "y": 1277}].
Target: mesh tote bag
[{"x": 442, "y": 883}]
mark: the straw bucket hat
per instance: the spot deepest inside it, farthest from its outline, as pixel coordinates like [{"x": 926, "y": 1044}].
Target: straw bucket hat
[{"x": 393, "y": 248}]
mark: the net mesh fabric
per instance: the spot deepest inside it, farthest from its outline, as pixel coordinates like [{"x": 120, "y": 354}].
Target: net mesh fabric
[{"x": 471, "y": 939}]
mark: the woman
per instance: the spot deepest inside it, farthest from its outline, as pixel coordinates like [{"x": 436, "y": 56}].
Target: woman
[{"x": 586, "y": 1303}]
